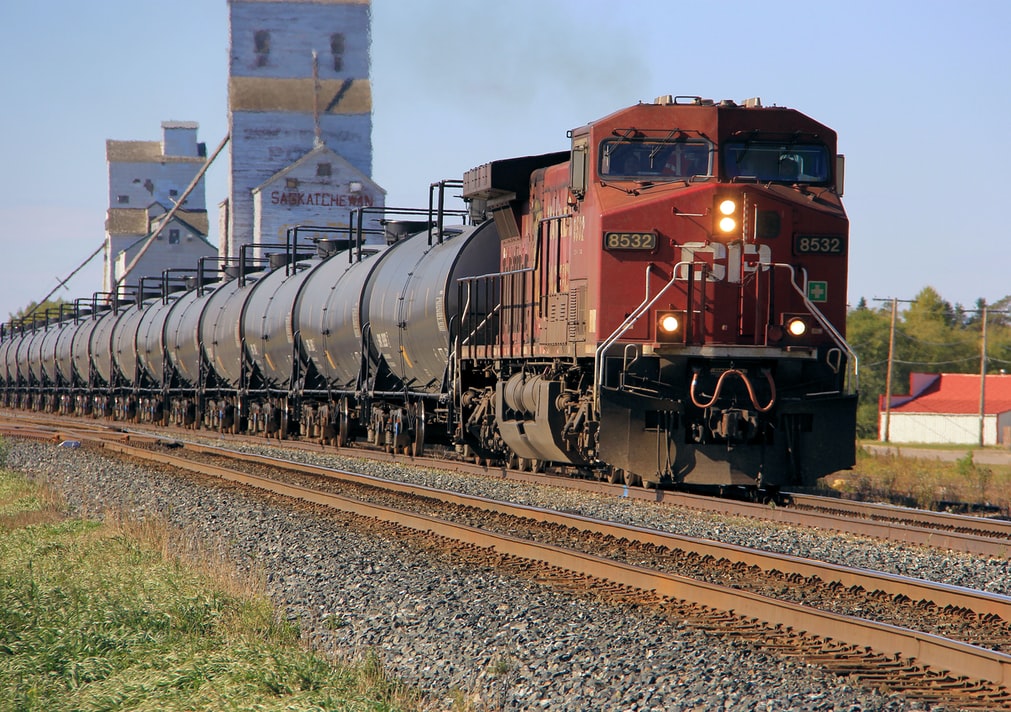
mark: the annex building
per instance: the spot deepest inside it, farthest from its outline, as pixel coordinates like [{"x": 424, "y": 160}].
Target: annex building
[
  {"x": 146, "y": 180},
  {"x": 944, "y": 408}
]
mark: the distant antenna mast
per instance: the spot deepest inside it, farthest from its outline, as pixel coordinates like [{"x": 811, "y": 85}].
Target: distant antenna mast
[{"x": 318, "y": 133}]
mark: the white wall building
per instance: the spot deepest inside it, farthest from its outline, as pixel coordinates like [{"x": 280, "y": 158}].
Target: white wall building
[
  {"x": 321, "y": 188},
  {"x": 146, "y": 178},
  {"x": 281, "y": 109},
  {"x": 944, "y": 408}
]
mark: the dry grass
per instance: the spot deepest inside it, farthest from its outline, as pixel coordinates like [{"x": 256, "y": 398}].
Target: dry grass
[
  {"x": 124, "y": 614},
  {"x": 926, "y": 483}
]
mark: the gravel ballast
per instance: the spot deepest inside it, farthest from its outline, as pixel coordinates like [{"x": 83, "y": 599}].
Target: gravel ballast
[{"x": 472, "y": 636}]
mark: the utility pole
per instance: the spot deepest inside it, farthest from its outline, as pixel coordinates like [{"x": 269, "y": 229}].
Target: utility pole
[
  {"x": 891, "y": 359},
  {"x": 888, "y": 378},
  {"x": 982, "y": 379}
]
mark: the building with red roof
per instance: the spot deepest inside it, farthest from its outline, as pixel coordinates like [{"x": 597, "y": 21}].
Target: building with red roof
[{"x": 945, "y": 408}]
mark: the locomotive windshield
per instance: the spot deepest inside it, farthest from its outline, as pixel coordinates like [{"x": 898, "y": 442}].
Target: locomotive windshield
[
  {"x": 654, "y": 160},
  {"x": 776, "y": 161}
]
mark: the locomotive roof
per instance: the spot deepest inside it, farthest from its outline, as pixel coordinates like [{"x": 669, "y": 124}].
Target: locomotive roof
[{"x": 717, "y": 121}]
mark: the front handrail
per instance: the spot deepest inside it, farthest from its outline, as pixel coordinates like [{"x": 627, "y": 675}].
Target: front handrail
[
  {"x": 825, "y": 323},
  {"x": 629, "y": 322}
]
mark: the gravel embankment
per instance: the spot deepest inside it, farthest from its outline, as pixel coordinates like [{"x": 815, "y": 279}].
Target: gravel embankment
[{"x": 478, "y": 636}]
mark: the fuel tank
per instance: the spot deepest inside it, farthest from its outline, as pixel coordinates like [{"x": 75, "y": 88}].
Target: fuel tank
[
  {"x": 101, "y": 344},
  {"x": 412, "y": 299},
  {"x": 5, "y": 347},
  {"x": 81, "y": 346},
  {"x": 64, "y": 349},
  {"x": 9, "y": 357},
  {"x": 47, "y": 350},
  {"x": 23, "y": 359},
  {"x": 34, "y": 351},
  {"x": 220, "y": 328}
]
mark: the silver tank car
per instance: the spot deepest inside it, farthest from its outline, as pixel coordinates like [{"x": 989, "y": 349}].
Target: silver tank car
[
  {"x": 220, "y": 328},
  {"x": 268, "y": 322},
  {"x": 47, "y": 351},
  {"x": 151, "y": 338},
  {"x": 65, "y": 351},
  {"x": 124, "y": 343},
  {"x": 8, "y": 354},
  {"x": 328, "y": 314},
  {"x": 102, "y": 360},
  {"x": 10, "y": 365},
  {"x": 413, "y": 301},
  {"x": 182, "y": 334},
  {"x": 35, "y": 341},
  {"x": 81, "y": 346}
]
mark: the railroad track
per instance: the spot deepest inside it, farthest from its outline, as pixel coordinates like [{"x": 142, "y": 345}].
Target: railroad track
[
  {"x": 902, "y": 525},
  {"x": 927, "y": 658}
]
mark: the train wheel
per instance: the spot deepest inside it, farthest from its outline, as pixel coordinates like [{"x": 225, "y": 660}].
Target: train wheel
[
  {"x": 632, "y": 479},
  {"x": 615, "y": 475}
]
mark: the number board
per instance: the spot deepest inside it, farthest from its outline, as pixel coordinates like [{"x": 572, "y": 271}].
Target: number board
[
  {"x": 629, "y": 240},
  {"x": 819, "y": 245}
]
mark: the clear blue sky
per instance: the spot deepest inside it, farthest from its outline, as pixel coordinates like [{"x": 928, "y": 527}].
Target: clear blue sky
[{"x": 919, "y": 92}]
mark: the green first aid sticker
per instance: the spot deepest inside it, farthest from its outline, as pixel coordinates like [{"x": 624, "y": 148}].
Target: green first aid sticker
[{"x": 817, "y": 291}]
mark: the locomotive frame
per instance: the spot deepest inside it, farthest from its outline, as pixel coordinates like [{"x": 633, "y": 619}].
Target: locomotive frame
[{"x": 663, "y": 303}]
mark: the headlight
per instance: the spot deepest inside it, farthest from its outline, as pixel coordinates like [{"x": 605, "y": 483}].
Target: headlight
[
  {"x": 670, "y": 327},
  {"x": 727, "y": 217},
  {"x": 796, "y": 327}
]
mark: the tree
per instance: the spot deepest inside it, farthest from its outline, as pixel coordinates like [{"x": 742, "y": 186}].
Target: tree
[
  {"x": 931, "y": 337},
  {"x": 40, "y": 311},
  {"x": 867, "y": 333}
]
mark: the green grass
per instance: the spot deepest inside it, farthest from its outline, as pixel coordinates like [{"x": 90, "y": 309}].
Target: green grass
[{"x": 110, "y": 616}]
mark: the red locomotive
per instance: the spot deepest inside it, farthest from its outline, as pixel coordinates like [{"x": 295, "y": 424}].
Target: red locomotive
[{"x": 672, "y": 300}]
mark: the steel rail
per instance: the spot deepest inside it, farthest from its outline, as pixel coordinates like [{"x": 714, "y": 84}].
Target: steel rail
[
  {"x": 927, "y": 649},
  {"x": 942, "y": 595},
  {"x": 901, "y": 530},
  {"x": 916, "y": 589},
  {"x": 997, "y": 527}
]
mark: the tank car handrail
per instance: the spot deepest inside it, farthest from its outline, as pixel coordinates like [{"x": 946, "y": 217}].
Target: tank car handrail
[
  {"x": 630, "y": 320},
  {"x": 824, "y": 322}
]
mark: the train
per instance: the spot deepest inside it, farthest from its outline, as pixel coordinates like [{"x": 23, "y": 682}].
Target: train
[{"x": 662, "y": 303}]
